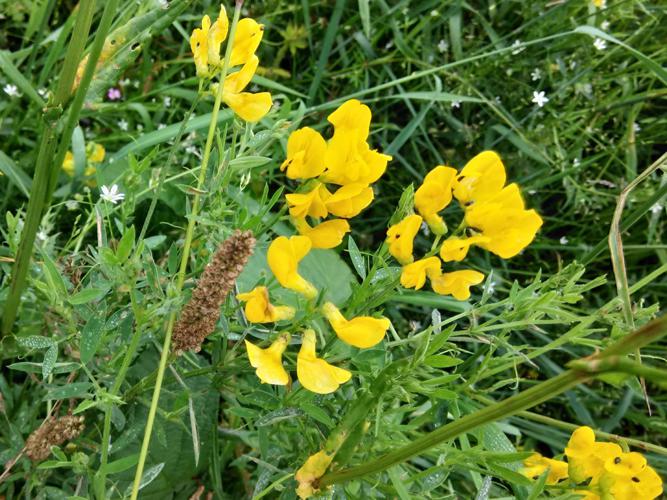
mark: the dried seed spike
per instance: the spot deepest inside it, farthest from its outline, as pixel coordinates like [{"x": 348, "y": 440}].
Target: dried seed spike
[
  {"x": 53, "y": 432},
  {"x": 200, "y": 315}
]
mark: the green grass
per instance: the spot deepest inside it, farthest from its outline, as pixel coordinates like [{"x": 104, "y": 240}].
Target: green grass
[{"x": 445, "y": 81}]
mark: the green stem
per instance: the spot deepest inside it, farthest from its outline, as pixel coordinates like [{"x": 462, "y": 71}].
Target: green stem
[
  {"x": 39, "y": 192},
  {"x": 185, "y": 256},
  {"x": 511, "y": 406}
]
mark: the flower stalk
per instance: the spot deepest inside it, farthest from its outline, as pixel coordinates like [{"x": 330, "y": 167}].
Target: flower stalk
[{"x": 180, "y": 279}]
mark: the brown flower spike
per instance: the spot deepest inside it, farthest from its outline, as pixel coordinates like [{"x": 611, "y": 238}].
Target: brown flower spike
[
  {"x": 200, "y": 315},
  {"x": 53, "y": 432}
]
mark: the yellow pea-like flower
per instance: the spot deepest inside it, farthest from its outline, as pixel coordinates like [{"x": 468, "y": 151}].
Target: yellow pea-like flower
[
  {"x": 216, "y": 35},
  {"x": 248, "y": 35},
  {"x": 414, "y": 275},
  {"x": 283, "y": 256},
  {"x": 248, "y": 106},
  {"x": 349, "y": 200},
  {"x": 536, "y": 464},
  {"x": 268, "y": 362},
  {"x": 400, "y": 238},
  {"x": 457, "y": 283},
  {"x": 586, "y": 457},
  {"x": 362, "y": 331},
  {"x": 642, "y": 483},
  {"x": 314, "y": 373},
  {"x": 349, "y": 159},
  {"x": 435, "y": 194},
  {"x": 94, "y": 154},
  {"x": 482, "y": 177},
  {"x": 199, "y": 46},
  {"x": 258, "y": 307},
  {"x": 313, "y": 469},
  {"x": 352, "y": 115},
  {"x": 508, "y": 227},
  {"x": 327, "y": 234},
  {"x": 305, "y": 154},
  {"x": 455, "y": 249},
  {"x": 310, "y": 204}
]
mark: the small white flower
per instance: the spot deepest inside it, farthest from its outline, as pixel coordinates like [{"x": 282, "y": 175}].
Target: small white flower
[
  {"x": 536, "y": 74},
  {"x": 498, "y": 99},
  {"x": 123, "y": 125},
  {"x": 166, "y": 101},
  {"x": 192, "y": 150},
  {"x": 42, "y": 236},
  {"x": 532, "y": 191},
  {"x": 573, "y": 64},
  {"x": 414, "y": 325},
  {"x": 599, "y": 44},
  {"x": 456, "y": 104},
  {"x": 72, "y": 204},
  {"x": 11, "y": 90},
  {"x": 443, "y": 46},
  {"x": 112, "y": 195},
  {"x": 140, "y": 127},
  {"x": 491, "y": 287},
  {"x": 576, "y": 162},
  {"x": 161, "y": 126},
  {"x": 540, "y": 98},
  {"x": 517, "y": 47},
  {"x": 605, "y": 25},
  {"x": 636, "y": 127},
  {"x": 435, "y": 13},
  {"x": 656, "y": 208},
  {"x": 44, "y": 93},
  {"x": 563, "y": 240}
]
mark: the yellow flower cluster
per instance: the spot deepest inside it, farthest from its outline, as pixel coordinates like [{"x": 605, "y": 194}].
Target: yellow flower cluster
[
  {"x": 94, "y": 156},
  {"x": 206, "y": 43},
  {"x": 609, "y": 472},
  {"x": 495, "y": 219},
  {"x": 315, "y": 374},
  {"x": 346, "y": 161}
]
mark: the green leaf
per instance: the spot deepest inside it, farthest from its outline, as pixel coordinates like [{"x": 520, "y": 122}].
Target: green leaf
[
  {"x": 50, "y": 358},
  {"x": 53, "y": 277},
  {"x": 121, "y": 464},
  {"x": 15, "y": 174},
  {"x": 248, "y": 162},
  {"x": 442, "y": 361},
  {"x": 317, "y": 413},
  {"x": 74, "y": 390},
  {"x": 125, "y": 245},
  {"x": 357, "y": 259},
  {"x": 34, "y": 342},
  {"x": 88, "y": 295},
  {"x": 91, "y": 335},
  {"x": 29, "y": 367}
]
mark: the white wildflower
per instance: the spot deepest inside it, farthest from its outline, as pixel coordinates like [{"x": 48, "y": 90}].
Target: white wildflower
[
  {"x": 166, "y": 101},
  {"x": 517, "y": 47},
  {"x": 656, "y": 208},
  {"x": 540, "y": 98},
  {"x": 456, "y": 104},
  {"x": 44, "y": 93},
  {"x": 42, "y": 236},
  {"x": 112, "y": 195},
  {"x": 563, "y": 240},
  {"x": 599, "y": 44},
  {"x": 443, "y": 46},
  {"x": 536, "y": 74},
  {"x": 605, "y": 25},
  {"x": 636, "y": 127},
  {"x": 123, "y": 125},
  {"x": 11, "y": 90},
  {"x": 161, "y": 126},
  {"x": 72, "y": 204}
]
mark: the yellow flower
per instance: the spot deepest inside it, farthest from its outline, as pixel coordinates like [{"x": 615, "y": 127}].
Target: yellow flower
[
  {"x": 199, "y": 46},
  {"x": 216, "y": 35},
  {"x": 314, "y": 373},
  {"x": 362, "y": 331},
  {"x": 249, "y": 107},
  {"x": 349, "y": 200},
  {"x": 503, "y": 219},
  {"x": 258, "y": 308},
  {"x": 349, "y": 159},
  {"x": 536, "y": 464},
  {"x": 641, "y": 484},
  {"x": 94, "y": 154},
  {"x": 354, "y": 116},
  {"x": 311, "y": 203},
  {"x": 313, "y": 469},
  {"x": 283, "y": 256},
  {"x": 305, "y": 154},
  {"x": 455, "y": 249},
  {"x": 586, "y": 457},
  {"x": 481, "y": 178},
  {"x": 248, "y": 35},
  {"x": 414, "y": 275},
  {"x": 435, "y": 194},
  {"x": 328, "y": 234},
  {"x": 268, "y": 362},
  {"x": 456, "y": 283},
  {"x": 400, "y": 238}
]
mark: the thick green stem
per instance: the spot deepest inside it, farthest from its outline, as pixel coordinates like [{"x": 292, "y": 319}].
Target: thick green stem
[
  {"x": 39, "y": 192},
  {"x": 185, "y": 257},
  {"x": 607, "y": 361}
]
